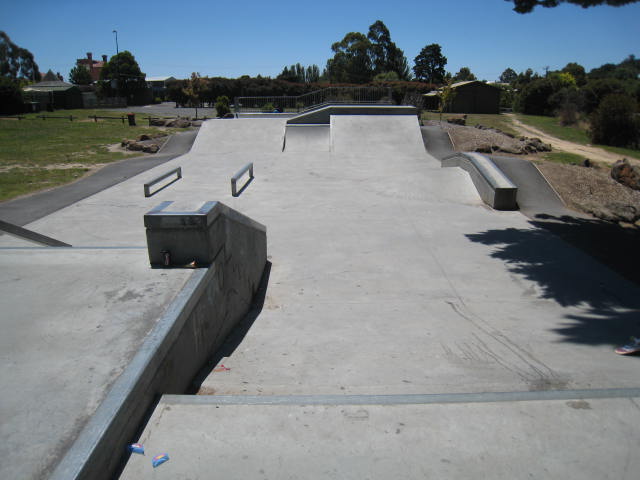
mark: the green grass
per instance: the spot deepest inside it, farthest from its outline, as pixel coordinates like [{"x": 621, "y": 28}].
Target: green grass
[
  {"x": 20, "y": 181},
  {"x": 551, "y": 126},
  {"x": 33, "y": 143},
  {"x": 564, "y": 157},
  {"x": 501, "y": 122}
]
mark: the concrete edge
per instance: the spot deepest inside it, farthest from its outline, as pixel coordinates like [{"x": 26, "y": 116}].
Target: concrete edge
[
  {"x": 323, "y": 115},
  {"x": 138, "y": 371},
  {"x": 550, "y": 185},
  {"x": 409, "y": 399},
  {"x": 494, "y": 187}
]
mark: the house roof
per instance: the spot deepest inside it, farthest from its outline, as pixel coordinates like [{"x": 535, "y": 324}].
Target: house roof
[
  {"x": 159, "y": 79},
  {"x": 56, "y": 86}
]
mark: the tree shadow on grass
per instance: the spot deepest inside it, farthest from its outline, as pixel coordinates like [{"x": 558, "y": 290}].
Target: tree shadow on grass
[{"x": 607, "y": 306}]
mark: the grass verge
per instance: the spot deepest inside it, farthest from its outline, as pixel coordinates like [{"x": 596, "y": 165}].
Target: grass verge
[
  {"x": 497, "y": 121},
  {"x": 21, "y": 181},
  {"x": 37, "y": 154}
]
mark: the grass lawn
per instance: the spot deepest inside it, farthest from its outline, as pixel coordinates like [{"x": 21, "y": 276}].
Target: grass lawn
[
  {"x": 575, "y": 134},
  {"x": 564, "y": 157},
  {"x": 498, "y": 121},
  {"x": 37, "y": 153}
]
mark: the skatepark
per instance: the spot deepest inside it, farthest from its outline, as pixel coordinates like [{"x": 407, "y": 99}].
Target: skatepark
[{"x": 398, "y": 326}]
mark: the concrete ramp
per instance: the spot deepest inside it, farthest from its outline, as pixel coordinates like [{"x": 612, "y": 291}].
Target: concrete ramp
[
  {"x": 240, "y": 135},
  {"x": 307, "y": 138},
  {"x": 376, "y": 135}
]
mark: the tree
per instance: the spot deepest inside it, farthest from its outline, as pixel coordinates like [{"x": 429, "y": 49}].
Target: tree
[
  {"x": 15, "y": 62},
  {"x": 351, "y": 62},
  {"x": 614, "y": 123},
  {"x": 508, "y": 76},
  {"x": 79, "y": 75},
  {"x": 121, "y": 76},
  {"x": 193, "y": 90},
  {"x": 446, "y": 96},
  {"x": 429, "y": 64},
  {"x": 385, "y": 55},
  {"x": 11, "y": 100},
  {"x": 464, "y": 75},
  {"x": 526, "y": 6},
  {"x": 577, "y": 71}
]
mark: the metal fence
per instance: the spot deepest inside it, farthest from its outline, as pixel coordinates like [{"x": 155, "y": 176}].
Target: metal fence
[{"x": 308, "y": 101}]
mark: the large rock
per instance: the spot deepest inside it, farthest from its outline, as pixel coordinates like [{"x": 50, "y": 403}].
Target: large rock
[
  {"x": 626, "y": 174},
  {"x": 157, "y": 122},
  {"x": 152, "y": 148},
  {"x": 178, "y": 123}
]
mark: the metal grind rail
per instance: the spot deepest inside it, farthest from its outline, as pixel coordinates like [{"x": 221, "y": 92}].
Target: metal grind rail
[
  {"x": 311, "y": 100},
  {"x": 248, "y": 167},
  {"x": 148, "y": 185}
]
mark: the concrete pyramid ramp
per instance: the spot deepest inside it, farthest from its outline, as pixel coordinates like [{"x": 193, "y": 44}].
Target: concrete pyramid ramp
[
  {"x": 240, "y": 135},
  {"x": 307, "y": 138},
  {"x": 376, "y": 135}
]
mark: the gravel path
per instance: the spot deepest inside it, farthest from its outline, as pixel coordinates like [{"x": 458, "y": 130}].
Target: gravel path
[{"x": 587, "y": 151}]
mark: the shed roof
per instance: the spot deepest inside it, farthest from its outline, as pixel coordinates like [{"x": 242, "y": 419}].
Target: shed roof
[{"x": 56, "y": 86}]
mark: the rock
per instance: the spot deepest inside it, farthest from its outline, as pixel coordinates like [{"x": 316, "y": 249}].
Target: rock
[
  {"x": 178, "y": 123},
  {"x": 623, "y": 212},
  {"x": 143, "y": 137},
  {"x": 511, "y": 149},
  {"x": 486, "y": 148},
  {"x": 458, "y": 120},
  {"x": 587, "y": 163},
  {"x": 626, "y": 174},
  {"x": 125, "y": 142},
  {"x": 228, "y": 115},
  {"x": 157, "y": 122},
  {"x": 135, "y": 146},
  {"x": 152, "y": 148}
]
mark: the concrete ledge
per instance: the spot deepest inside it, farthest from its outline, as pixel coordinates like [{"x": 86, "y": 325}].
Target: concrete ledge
[
  {"x": 192, "y": 328},
  {"x": 494, "y": 187},
  {"x": 323, "y": 115}
]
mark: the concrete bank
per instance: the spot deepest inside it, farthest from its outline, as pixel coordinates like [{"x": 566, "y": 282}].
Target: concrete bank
[{"x": 193, "y": 326}]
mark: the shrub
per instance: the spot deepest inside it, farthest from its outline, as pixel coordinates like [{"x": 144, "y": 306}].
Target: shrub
[
  {"x": 614, "y": 123},
  {"x": 11, "y": 101},
  {"x": 222, "y": 106},
  {"x": 267, "y": 108}
]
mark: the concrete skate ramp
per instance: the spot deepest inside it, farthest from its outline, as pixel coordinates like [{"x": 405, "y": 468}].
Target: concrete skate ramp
[
  {"x": 391, "y": 135},
  {"x": 307, "y": 138},
  {"x": 240, "y": 135}
]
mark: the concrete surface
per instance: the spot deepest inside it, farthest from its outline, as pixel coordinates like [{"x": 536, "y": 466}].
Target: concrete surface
[
  {"x": 72, "y": 320},
  {"x": 494, "y": 187},
  {"x": 323, "y": 115},
  {"x": 516, "y": 440},
  {"x": 388, "y": 276}
]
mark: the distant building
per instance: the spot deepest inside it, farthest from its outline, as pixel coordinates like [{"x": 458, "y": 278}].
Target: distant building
[
  {"x": 52, "y": 95},
  {"x": 470, "y": 97},
  {"x": 158, "y": 86},
  {"x": 94, "y": 66}
]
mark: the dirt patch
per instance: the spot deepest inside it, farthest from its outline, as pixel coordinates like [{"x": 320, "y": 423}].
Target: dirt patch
[
  {"x": 594, "y": 154},
  {"x": 593, "y": 191},
  {"x": 589, "y": 190}
]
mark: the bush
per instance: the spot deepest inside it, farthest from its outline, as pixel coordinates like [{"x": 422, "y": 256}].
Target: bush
[
  {"x": 222, "y": 106},
  {"x": 267, "y": 108},
  {"x": 11, "y": 101},
  {"x": 614, "y": 123},
  {"x": 534, "y": 97}
]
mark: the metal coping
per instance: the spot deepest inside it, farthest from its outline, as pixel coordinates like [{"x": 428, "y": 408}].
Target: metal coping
[
  {"x": 236, "y": 177},
  {"x": 148, "y": 185},
  {"x": 408, "y": 399},
  {"x": 30, "y": 235}
]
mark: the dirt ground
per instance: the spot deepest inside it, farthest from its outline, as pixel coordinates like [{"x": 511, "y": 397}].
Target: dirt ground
[{"x": 586, "y": 189}]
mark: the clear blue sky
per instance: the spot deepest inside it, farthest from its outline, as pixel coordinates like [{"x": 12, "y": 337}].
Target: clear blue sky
[{"x": 234, "y": 38}]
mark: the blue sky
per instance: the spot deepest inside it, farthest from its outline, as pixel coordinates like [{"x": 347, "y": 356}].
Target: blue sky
[{"x": 214, "y": 38}]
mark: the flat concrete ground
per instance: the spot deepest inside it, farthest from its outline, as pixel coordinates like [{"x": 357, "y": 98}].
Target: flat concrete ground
[{"x": 388, "y": 277}]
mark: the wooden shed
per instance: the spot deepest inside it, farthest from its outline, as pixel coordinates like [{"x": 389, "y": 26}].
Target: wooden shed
[{"x": 470, "y": 97}]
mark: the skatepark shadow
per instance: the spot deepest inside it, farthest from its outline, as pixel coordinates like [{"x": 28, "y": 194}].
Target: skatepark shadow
[
  {"x": 609, "y": 304},
  {"x": 234, "y": 339}
]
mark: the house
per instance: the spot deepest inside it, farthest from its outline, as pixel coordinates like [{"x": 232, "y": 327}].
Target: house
[
  {"x": 94, "y": 66},
  {"x": 470, "y": 97},
  {"x": 158, "y": 86},
  {"x": 53, "y": 94}
]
